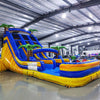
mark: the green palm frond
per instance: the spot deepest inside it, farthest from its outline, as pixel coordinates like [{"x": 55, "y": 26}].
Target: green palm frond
[
  {"x": 32, "y": 30},
  {"x": 62, "y": 47},
  {"x": 73, "y": 57},
  {"x": 11, "y": 26},
  {"x": 29, "y": 46},
  {"x": 36, "y": 45},
  {"x": 4, "y": 25},
  {"x": 58, "y": 47},
  {"x": 21, "y": 46},
  {"x": 54, "y": 48}
]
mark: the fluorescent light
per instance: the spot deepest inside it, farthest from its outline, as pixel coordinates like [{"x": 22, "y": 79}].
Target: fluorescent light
[
  {"x": 64, "y": 15},
  {"x": 89, "y": 28},
  {"x": 90, "y": 15},
  {"x": 96, "y": 39},
  {"x": 74, "y": 39},
  {"x": 80, "y": 42},
  {"x": 25, "y": 16},
  {"x": 57, "y": 43},
  {"x": 26, "y": 29},
  {"x": 67, "y": 45},
  {"x": 88, "y": 43},
  {"x": 95, "y": 34},
  {"x": 57, "y": 35}
]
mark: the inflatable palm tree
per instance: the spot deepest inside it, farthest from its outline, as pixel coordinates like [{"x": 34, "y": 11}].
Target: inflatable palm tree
[
  {"x": 29, "y": 48},
  {"x": 32, "y": 30},
  {"x": 6, "y": 27},
  {"x": 73, "y": 57},
  {"x": 58, "y": 49}
]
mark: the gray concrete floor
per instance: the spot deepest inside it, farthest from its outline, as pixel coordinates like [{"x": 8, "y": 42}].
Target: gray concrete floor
[{"x": 14, "y": 86}]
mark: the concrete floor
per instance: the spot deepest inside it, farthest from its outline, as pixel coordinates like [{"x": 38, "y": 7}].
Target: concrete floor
[{"x": 19, "y": 87}]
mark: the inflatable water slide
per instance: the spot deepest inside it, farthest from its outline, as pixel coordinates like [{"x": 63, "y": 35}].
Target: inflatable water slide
[{"x": 39, "y": 65}]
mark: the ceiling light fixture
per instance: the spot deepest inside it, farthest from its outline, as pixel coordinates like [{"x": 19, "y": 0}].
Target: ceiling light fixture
[
  {"x": 89, "y": 28},
  {"x": 64, "y": 15},
  {"x": 26, "y": 29},
  {"x": 74, "y": 39},
  {"x": 57, "y": 35},
  {"x": 96, "y": 39},
  {"x": 83, "y": 46},
  {"x": 88, "y": 43},
  {"x": 57, "y": 43},
  {"x": 90, "y": 15},
  {"x": 67, "y": 45}
]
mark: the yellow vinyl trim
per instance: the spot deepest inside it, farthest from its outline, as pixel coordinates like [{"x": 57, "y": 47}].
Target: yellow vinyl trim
[
  {"x": 58, "y": 60},
  {"x": 78, "y": 67},
  {"x": 2, "y": 67},
  {"x": 66, "y": 60},
  {"x": 47, "y": 61},
  {"x": 43, "y": 55},
  {"x": 36, "y": 56}
]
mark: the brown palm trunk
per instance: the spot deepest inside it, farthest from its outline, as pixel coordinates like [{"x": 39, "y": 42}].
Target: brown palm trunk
[
  {"x": 5, "y": 29},
  {"x": 58, "y": 54},
  {"x": 29, "y": 54}
]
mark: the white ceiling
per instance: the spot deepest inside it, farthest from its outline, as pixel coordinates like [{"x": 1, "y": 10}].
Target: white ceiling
[{"x": 21, "y": 12}]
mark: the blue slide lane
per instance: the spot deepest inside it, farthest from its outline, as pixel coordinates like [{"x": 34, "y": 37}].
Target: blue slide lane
[{"x": 77, "y": 74}]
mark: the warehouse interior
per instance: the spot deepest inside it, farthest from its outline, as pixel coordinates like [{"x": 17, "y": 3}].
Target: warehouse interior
[{"x": 74, "y": 24}]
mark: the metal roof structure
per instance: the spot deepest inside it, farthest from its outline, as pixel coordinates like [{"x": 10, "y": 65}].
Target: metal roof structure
[{"x": 67, "y": 22}]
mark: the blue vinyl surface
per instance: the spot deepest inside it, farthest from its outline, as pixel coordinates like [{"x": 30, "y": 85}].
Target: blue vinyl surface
[
  {"x": 76, "y": 74},
  {"x": 55, "y": 71},
  {"x": 45, "y": 50}
]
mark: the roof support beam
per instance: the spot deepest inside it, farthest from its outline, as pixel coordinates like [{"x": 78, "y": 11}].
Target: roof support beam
[
  {"x": 78, "y": 40},
  {"x": 92, "y": 44},
  {"x": 16, "y": 10},
  {"x": 72, "y": 27},
  {"x": 24, "y": 9},
  {"x": 63, "y": 9},
  {"x": 63, "y": 24},
  {"x": 67, "y": 2},
  {"x": 93, "y": 13},
  {"x": 85, "y": 43},
  {"x": 75, "y": 36},
  {"x": 17, "y": 15},
  {"x": 86, "y": 16}
]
